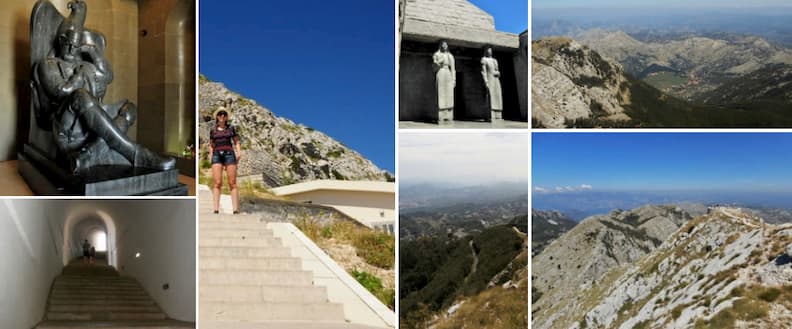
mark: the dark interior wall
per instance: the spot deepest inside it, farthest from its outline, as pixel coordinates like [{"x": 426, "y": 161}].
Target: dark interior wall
[
  {"x": 166, "y": 117},
  {"x": 418, "y": 94},
  {"x": 162, "y": 90},
  {"x": 521, "y": 70},
  {"x": 511, "y": 99}
]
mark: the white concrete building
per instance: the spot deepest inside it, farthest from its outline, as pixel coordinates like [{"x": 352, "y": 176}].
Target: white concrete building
[{"x": 370, "y": 203}]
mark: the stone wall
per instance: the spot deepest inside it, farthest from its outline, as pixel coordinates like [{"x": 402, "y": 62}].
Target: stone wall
[
  {"x": 167, "y": 76},
  {"x": 117, "y": 19},
  {"x": 449, "y": 12},
  {"x": 293, "y": 212}
]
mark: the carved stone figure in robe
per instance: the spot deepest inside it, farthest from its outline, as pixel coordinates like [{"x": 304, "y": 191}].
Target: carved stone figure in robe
[
  {"x": 491, "y": 75},
  {"x": 70, "y": 78},
  {"x": 445, "y": 79}
]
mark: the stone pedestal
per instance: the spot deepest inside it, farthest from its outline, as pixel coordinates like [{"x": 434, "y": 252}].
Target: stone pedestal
[
  {"x": 44, "y": 177},
  {"x": 496, "y": 115},
  {"x": 445, "y": 116}
]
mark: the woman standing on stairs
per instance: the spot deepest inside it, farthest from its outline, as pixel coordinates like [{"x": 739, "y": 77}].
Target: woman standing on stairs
[{"x": 226, "y": 153}]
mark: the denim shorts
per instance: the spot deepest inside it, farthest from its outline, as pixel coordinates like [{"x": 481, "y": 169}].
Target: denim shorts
[{"x": 224, "y": 157}]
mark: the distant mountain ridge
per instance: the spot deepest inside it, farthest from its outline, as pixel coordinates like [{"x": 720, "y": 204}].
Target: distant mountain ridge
[
  {"x": 546, "y": 226},
  {"x": 575, "y": 86},
  {"x": 282, "y": 151},
  {"x": 706, "y": 62},
  {"x": 460, "y": 219}
]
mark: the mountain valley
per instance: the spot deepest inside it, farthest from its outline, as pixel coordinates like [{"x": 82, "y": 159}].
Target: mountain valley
[{"x": 607, "y": 78}]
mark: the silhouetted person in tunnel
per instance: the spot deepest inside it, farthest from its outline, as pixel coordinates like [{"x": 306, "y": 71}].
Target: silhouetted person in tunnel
[
  {"x": 86, "y": 251},
  {"x": 93, "y": 254}
]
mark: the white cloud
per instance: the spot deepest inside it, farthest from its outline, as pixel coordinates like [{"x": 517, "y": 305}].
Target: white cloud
[{"x": 563, "y": 189}]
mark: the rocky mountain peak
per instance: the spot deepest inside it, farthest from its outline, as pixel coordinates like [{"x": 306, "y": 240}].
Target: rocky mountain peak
[
  {"x": 580, "y": 258},
  {"x": 571, "y": 81},
  {"x": 725, "y": 269},
  {"x": 282, "y": 151}
]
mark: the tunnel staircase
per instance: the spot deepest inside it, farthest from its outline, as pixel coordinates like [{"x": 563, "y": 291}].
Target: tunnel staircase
[
  {"x": 249, "y": 279},
  {"x": 96, "y": 296}
]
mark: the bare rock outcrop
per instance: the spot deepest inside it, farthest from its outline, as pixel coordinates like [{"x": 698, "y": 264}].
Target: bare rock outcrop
[
  {"x": 570, "y": 81},
  {"x": 282, "y": 151}
]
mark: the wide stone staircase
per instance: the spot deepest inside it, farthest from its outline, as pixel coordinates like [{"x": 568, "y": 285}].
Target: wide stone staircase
[
  {"x": 249, "y": 279},
  {"x": 96, "y": 296}
]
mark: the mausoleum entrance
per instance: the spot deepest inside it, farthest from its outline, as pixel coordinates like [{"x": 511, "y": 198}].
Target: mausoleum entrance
[{"x": 418, "y": 93}]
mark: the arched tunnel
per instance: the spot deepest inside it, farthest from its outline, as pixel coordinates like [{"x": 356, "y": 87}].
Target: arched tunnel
[
  {"x": 95, "y": 229},
  {"x": 148, "y": 242}
]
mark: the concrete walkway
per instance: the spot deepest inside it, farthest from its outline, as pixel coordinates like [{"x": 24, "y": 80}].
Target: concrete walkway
[
  {"x": 505, "y": 124},
  {"x": 258, "y": 273}
]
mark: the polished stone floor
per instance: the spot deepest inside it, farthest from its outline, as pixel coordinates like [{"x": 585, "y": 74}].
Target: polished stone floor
[
  {"x": 12, "y": 184},
  {"x": 505, "y": 124}
]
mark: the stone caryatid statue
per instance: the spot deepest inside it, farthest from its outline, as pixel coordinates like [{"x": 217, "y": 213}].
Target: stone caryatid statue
[
  {"x": 445, "y": 79},
  {"x": 70, "y": 76},
  {"x": 491, "y": 75}
]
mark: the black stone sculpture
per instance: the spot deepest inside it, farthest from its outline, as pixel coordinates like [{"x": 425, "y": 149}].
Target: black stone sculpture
[{"x": 78, "y": 143}]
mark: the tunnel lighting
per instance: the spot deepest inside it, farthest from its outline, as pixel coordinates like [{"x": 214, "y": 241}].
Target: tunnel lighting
[{"x": 137, "y": 255}]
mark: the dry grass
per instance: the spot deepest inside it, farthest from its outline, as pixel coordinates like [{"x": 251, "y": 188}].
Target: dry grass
[
  {"x": 374, "y": 252},
  {"x": 754, "y": 304},
  {"x": 494, "y": 308}
]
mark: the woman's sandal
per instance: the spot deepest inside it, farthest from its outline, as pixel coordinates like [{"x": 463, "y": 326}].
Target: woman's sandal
[
  {"x": 217, "y": 211},
  {"x": 236, "y": 212}
]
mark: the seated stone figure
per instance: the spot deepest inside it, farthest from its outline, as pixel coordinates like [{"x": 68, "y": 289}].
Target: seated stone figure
[{"x": 69, "y": 84}]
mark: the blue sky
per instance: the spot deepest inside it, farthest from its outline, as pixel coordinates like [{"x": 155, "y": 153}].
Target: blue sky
[
  {"x": 657, "y": 3},
  {"x": 667, "y": 161},
  {"x": 510, "y": 15},
  {"x": 326, "y": 64}
]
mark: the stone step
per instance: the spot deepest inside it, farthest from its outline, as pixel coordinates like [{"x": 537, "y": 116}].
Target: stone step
[
  {"x": 266, "y": 293},
  {"x": 243, "y": 252},
  {"x": 234, "y": 233},
  {"x": 129, "y": 324},
  {"x": 96, "y": 308},
  {"x": 280, "y": 263},
  {"x": 105, "y": 316},
  {"x": 95, "y": 280},
  {"x": 329, "y": 312},
  {"x": 233, "y": 223},
  {"x": 287, "y": 278},
  {"x": 129, "y": 285},
  {"x": 239, "y": 242},
  {"x": 98, "y": 290},
  {"x": 75, "y": 285},
  {"x": 108, "y": 296},
  {"x": 206, "y": 324},
  {"x": 94, "y": 301}
]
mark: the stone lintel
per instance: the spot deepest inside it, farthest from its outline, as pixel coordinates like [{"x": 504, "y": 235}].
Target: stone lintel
[{"x": 424, "y": 31}]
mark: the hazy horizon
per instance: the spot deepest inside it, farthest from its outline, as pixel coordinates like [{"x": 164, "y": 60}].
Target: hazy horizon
[{"x": 464, "y": 159}]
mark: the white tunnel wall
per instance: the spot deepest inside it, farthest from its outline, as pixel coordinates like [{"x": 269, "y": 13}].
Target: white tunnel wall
[
  {"x": 163, "y": 232},
  {"x": 32, "y": 244}
]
